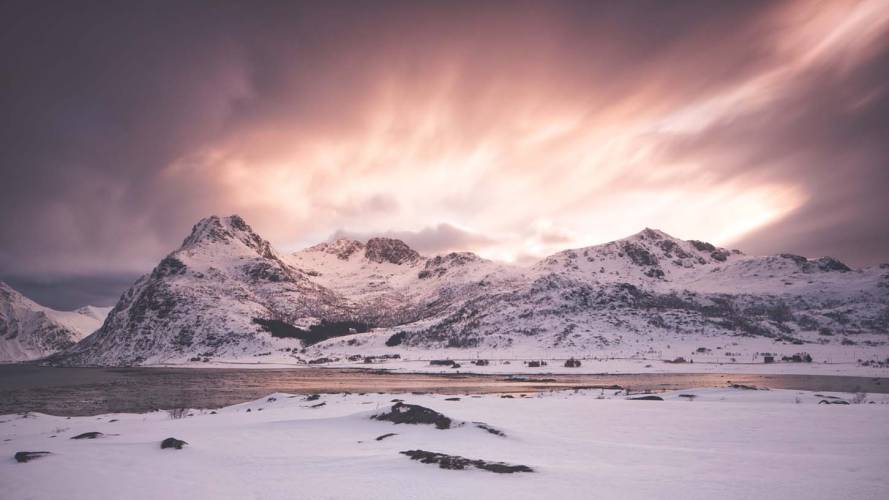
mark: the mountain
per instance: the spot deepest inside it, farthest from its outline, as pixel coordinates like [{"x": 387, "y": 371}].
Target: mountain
[
  {"x": 390, "y": 284},
  {"x": 653, "y": 289},
  {"x": 227, "y": 295},
  {"x": 30, "y": 331},
  {"x": 203, "y": 300}
]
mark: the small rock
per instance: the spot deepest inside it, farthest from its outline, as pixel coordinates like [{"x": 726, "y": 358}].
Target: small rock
[
  {"x": 26, "y": 456},
  {"x": 647, "y": 398},
  {"x": 384, "y": 436},
  {"x": 172, "y": 443},
  {"x": 88, "y": 435}
]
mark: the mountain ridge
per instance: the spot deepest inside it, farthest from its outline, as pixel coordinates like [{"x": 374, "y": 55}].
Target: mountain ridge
[{"x": 226, "y": 293}]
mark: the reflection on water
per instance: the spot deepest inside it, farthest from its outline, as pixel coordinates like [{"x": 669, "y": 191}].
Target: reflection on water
[{"x": 90, "y": 391}]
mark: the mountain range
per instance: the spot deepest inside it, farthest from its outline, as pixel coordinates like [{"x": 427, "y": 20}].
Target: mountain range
[{"x": 226, "y": 294}]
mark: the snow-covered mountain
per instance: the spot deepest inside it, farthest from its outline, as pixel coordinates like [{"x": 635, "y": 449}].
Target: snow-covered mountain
[
  {"x": 30, "y": 331},
  {"x": 202, "y": 299},
  {"x": 656, "y": 288},
  {"x": 226, "y": 294}
]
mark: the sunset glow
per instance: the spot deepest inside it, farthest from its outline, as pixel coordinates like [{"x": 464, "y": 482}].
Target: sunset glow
[{"x": 511, "y": 134}]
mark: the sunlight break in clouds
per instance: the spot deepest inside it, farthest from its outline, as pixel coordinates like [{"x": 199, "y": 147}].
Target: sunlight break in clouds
[{"x": 505, "y": 158}]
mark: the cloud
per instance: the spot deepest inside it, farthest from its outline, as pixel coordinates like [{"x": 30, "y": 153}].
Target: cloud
[{"x": 758, "y": 124}]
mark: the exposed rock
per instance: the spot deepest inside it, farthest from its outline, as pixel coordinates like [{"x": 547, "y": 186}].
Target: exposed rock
[
  {"x": 88, "y": 435},
  {"x": 485, "y": 427},
  {"x": 342, "y": 248},
  {"x": 390, "y": 250},
  {"x": 27, "y": 456},
  {"x": 702, "y": 246},
  {"x": 402, "y": 413},
  {"x": 442, "y": 362},
  {"x": 829, "y": 264},
  {"x": 454, "y": 462},
  {"x": 384, "y": 436},
  {"x": 647, "y": 398},
  {"x": 747, "y": 387},
  {"x": 572, "y": 363},
  {"x": 173, "y": 443},
  {"x": 639, "y": 255}
]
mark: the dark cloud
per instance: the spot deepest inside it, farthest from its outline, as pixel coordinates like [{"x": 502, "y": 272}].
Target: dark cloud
[
  {"x": 826, "y": 133},
  {"x": 101, "y": 100},
  {"x": 67, "y": 293}
]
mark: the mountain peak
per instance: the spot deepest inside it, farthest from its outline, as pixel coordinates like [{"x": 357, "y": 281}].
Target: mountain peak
[
  {"x": 390, "y": 250},
  {"x": 652, "y": 234},
  {"x": 7, "y": 292},
  {"x": 227, "y": 230},
  {"x": 343, "y": 248}
]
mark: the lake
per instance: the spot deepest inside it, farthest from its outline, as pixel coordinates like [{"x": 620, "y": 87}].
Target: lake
[{"x": 92, "y": 391}]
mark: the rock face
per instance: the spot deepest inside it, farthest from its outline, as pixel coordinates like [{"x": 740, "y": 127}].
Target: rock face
[
  {"x": 390, "y": 250},
  {"x": 227, "y": 294},
  {"x": 31, "y": 331}
]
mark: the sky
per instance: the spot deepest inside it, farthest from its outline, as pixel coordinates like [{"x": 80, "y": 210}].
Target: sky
[{"x": 511, "y": 129}]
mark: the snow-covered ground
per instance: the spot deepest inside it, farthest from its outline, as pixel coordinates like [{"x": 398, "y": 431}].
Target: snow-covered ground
[
  {"x": 703, "y": 355},
  {"x": 718, "y": 443}
]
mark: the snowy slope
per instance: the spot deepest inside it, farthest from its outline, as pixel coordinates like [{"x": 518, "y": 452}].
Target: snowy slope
[
  {"x": 30, "y": 331},
  {"x": 392, "y": 284}
]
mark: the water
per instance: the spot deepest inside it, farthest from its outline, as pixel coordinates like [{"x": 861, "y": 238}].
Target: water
[{"x": 91, "y": 391}]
